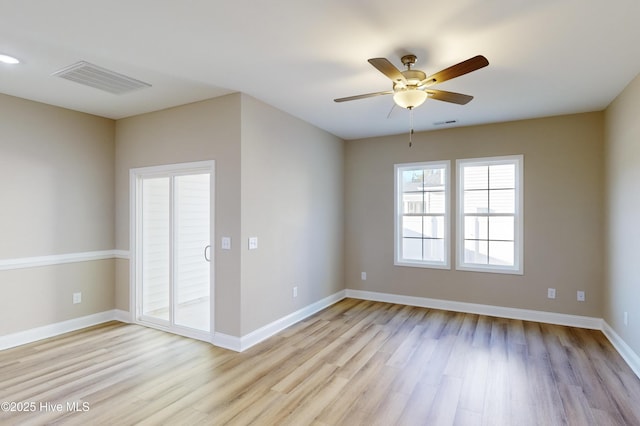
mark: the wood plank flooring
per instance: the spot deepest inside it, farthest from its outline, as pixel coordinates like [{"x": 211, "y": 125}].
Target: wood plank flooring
[{"x": 355, "y": 363}]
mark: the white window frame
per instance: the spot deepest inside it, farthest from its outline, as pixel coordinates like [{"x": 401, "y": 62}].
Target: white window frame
[
  {"x": 518, "y": 267},
  {"x": 398, "y": 202}
]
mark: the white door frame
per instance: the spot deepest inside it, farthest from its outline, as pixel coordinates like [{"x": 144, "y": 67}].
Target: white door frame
[{"x": 135, "y": 198}]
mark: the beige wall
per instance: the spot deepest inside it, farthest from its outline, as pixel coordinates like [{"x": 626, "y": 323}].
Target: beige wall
[
  {"x": 35, "y": 297},
  {"x": 277, "y": 178},
  {"x": 207, "y": 130},
  {"x": 65, "y": 188},
  {"x": 563, "y": 214},
  {"x": 56, "y": 182},
  {"x": 622, "y": 288},
  {"x": 292, "y": 200}
]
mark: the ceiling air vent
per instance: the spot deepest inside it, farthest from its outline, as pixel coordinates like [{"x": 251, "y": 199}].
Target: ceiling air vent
[
  {"x": 100, "y": 78},
  {"x": 442, "y": 123}
]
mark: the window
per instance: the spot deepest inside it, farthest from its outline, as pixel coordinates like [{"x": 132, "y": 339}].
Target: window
[
  {"x": 422, "y": 214},
  {"x": 490, "y": 218}
]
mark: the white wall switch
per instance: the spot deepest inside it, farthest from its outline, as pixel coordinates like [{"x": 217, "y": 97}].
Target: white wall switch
[
  {"x": 580, "y": 296},
  {"x": 626, "y": 318},
  {"x": 363, "y": 276},
  {"x": 253, "y": 243},
  {"x": 77, "y": 298},
  {"x": 295, "y": 291},
  {"x": 226, "y": 243},
  {"x": 551, "y": 293}
]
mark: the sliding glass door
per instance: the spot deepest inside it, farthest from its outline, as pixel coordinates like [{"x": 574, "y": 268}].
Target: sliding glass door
[{"x": 173, "y": 255}]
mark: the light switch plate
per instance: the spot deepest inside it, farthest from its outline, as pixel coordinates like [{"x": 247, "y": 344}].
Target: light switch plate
[
  {"x": 253, "y": 243},
  {"x": 226, "y": 243}
]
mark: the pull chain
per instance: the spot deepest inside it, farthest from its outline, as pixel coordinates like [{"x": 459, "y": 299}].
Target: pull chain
[{"x": 410, "y": 126}]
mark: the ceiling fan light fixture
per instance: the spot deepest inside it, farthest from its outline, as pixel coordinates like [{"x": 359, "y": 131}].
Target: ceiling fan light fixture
[{"x": 410, "y": 98}]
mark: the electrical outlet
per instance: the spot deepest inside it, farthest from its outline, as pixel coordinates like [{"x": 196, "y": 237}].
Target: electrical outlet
[
  {"x": 363, "y": 276},
  {"x": 77, "y": 298},
  {"x": 295, "y": 291},
  {"x": 580, "y": 296},
  {"x": 551, "y": 293}
]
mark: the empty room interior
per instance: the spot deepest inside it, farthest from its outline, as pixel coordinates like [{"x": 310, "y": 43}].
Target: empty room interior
[{"x": 320, "y": 213}]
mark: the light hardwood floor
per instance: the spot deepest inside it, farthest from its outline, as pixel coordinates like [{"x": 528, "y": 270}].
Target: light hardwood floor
[{"x": 355, "y": 363}]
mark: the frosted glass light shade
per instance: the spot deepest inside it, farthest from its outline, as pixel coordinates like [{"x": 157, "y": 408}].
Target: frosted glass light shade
[{"x": 410, "y": 98}]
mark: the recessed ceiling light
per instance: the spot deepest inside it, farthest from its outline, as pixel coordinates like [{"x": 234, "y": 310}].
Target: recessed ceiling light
[{"x": 6, "y": 59}]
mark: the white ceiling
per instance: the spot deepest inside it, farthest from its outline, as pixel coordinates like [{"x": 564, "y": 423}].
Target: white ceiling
[{"x": 547, "y": 57}]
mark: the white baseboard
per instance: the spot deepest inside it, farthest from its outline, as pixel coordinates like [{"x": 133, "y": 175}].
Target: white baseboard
[
  {"x": 226, "y": 341},
  {"x": 239, "y": 344},
  {"x": 474, "y": 308},
  {"x": 257, "y": 336},
  {"x": 630, "y": 357},
  {"x": 123, "y": 316},
  {"x": 51, "y": 330}
]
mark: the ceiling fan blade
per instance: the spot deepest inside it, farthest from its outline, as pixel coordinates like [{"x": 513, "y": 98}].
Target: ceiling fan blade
[
  {"x": 464, "y": 67},
  {"x": 454, "y": 98},
  {"x": 368, "y": 95},
  {"x": 387, "y": 68}
]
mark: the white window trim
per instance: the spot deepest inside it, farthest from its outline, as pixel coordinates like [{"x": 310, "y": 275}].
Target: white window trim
[
  {"x": 398, "y": 169},
  {"x": 518, "y": 267}
]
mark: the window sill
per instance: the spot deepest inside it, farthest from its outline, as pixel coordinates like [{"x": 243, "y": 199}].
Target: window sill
[
  {"x": 491, "y": 270},
  {"x": 422, "y": 265}
]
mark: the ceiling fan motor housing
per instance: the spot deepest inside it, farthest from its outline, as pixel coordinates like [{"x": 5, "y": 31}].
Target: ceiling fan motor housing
[{"x": 413, "y": 77}]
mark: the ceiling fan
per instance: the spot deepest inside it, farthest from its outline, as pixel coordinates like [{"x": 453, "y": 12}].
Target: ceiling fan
[{"x": 412, "y": 87}]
